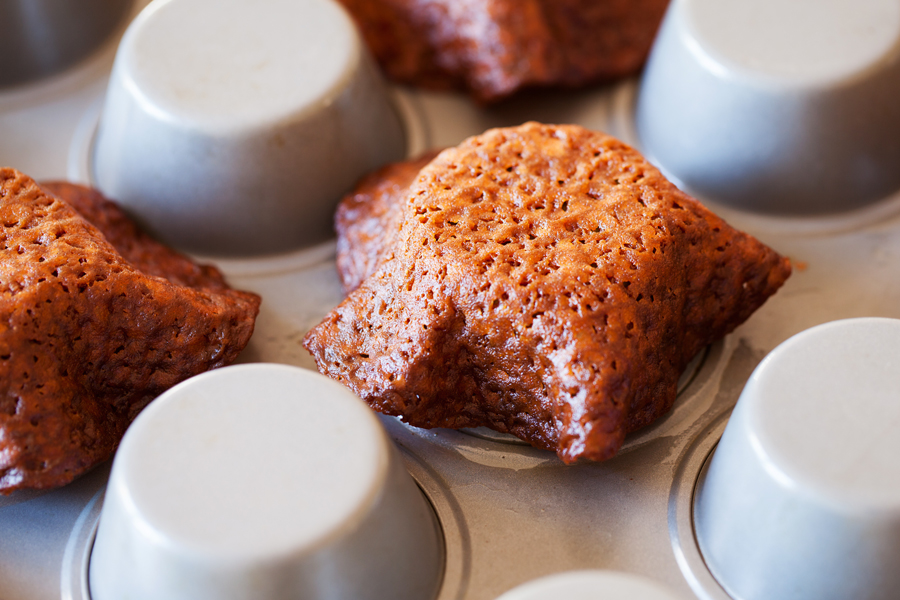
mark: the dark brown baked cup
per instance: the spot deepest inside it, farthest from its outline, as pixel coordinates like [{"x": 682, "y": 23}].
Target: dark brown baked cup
[
  {"x": 96, "y": 320},
  {"x": 541, "y": 280},
  {"x": 493, "y": 48}
]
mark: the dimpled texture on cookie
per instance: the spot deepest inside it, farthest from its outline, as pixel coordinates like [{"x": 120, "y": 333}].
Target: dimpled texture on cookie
[
  {"x": 544, "y": 281},
  {"x": 88, "y": 334}
]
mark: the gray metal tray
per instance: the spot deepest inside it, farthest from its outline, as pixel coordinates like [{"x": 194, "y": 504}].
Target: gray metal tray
[{"x": 509, "y": 513}]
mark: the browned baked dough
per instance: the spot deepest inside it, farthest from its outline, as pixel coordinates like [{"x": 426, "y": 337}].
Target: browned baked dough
[
  {"x": 545, "y": 281},
  {"x": 366, "y": 219},
  {"x": 89, "y": 335},
  {"x": 143, "y": 252},
  {"x": 496, "y": 47}
]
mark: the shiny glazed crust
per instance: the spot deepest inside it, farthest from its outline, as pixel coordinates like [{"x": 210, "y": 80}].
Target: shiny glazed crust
[
  {"x": 95, "y": 321},
  {"x": 544, "y": 281}
]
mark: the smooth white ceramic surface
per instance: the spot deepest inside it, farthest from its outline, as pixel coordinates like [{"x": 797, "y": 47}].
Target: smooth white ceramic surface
[
  {"x": 590, "y": 585},
  {"x": 801, "y": 499},
  {"x": 233, "y": 127},
  {"x": 778, "y": 106},
  {"x": 262, "y": 482}
]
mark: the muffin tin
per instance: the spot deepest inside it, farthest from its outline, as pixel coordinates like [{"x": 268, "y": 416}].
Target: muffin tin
[
  {"x": 229, "y": 486},
  {"x": 807, "y": 455},
  {"x": 230, "y": 129},
  {"x": 802, "y": 120},
  {"x": 507, "y": 513}
]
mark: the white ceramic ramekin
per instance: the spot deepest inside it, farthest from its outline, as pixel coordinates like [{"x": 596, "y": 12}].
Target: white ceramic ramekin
[
  {"x": 590, "y": 585},
  {"x": 262, "y": 482},
  {"x": 801, "y": 500},
  {"x": 233, "y": 127},
  {"x": 776, "y": 106}
]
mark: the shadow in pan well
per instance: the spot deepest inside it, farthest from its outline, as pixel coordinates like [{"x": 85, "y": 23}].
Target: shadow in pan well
[{"x": 697, "y": 365}]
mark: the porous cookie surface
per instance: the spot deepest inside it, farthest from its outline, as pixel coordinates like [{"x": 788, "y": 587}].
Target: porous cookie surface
[
  {"x": 544, "y": 281},
  {"x": 87, "y": 336},
  {"x": 495, "y": 47},
  {"x": 142, "y": 251},
  {"x": 367, "y": 219}
]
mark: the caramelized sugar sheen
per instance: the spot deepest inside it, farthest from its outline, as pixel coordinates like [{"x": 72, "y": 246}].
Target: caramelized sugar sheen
[{"x": 544, "y": 281}]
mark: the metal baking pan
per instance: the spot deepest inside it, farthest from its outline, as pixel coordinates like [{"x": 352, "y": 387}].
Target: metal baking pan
[{"x": 508, "y": 513}]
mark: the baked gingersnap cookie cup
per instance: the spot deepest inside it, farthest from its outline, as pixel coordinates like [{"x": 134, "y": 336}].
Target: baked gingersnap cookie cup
[
  {"x": 233, "y": 127},
  {"x": 258, "y": 482},
  {"x": 800, "y": 500},
  {"x": 776, "y": 107}
]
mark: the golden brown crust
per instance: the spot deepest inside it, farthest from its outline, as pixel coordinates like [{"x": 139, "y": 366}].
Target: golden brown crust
[
  {"x": 366, "y": 220},
  {"x": 86, "y": 338},
  {"x": 495, "y": 47},
  {"x": 142, "y": 251},
  {"x": 545, "y": 281}
]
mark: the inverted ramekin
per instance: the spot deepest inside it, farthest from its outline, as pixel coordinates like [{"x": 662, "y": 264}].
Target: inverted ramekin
[
  {"x": 776, "y": 106},
  {"x": 262, "y": 482},
  {"x": 590, "y": 585},
  {"x": 801, "y": 500},
  {"x": 41, "y": 37},
  {"x": 233, "y": 127}
]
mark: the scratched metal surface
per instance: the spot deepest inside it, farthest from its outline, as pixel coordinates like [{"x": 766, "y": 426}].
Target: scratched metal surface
[{"x": 509, "y": 513}]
